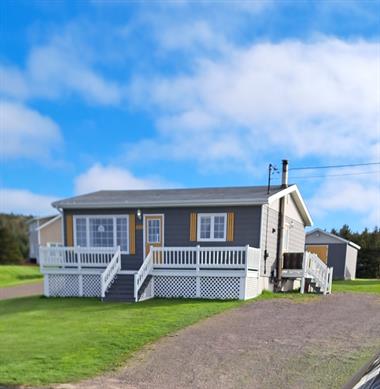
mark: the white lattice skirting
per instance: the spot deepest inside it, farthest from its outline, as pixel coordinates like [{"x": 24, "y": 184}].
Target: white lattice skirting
[
  {"x": 206, "y": 287},
  {"x": 72, "y": 285},
  {"x": 221, "y": 287}
]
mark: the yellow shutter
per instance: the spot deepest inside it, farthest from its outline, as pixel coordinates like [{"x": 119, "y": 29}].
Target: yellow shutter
[
  {"x": 132, "y": 234},
  {"x": 69, "y": 230},
  {"x": 230, "y": 226},
  {"x": 193, "y": 227}
]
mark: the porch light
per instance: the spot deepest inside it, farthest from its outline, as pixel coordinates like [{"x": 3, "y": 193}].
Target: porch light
[{"x": 139, "y": 214}]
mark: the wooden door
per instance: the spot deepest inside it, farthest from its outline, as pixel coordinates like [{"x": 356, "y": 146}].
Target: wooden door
[
  {"x": 320, "y": 250},
  {"x": 153, "y": 231}
]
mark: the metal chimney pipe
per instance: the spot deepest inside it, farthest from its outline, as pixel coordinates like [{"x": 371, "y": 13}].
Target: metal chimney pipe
[{"x": 285, "y": 173}]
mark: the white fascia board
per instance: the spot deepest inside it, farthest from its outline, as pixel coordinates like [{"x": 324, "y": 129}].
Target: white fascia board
[
  {"x": 48, "y": 222},
  {"x": 293, "y": 190},
  {"x": 339, "y": 238}
]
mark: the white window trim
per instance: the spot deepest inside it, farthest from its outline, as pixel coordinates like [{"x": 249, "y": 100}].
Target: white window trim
[
  {"x": 211, "y": 239},
  {"x": 88, "y": 217}
]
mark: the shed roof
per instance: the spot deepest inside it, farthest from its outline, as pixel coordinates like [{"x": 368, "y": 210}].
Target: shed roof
[
  {"x": 224, "y": 196},
  {"x": 338, "y": 238}
]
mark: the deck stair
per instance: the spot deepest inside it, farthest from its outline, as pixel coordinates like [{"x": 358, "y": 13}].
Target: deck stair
[
  {"x": 122, "y": 289},
  {"x": 310, "y": 269}
]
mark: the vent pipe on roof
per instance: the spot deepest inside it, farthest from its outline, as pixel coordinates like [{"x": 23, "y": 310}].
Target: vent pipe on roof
[{"x": 285, "y": 173}]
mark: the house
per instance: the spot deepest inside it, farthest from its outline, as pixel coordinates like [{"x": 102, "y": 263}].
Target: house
[
  {"x": 195, "y": 243},
  {"x": 44, "y": 231},
  {"x": 334, "y": 251}
]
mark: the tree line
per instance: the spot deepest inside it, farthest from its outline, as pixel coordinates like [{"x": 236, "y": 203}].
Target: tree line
[{"x": 14, "y": 238}]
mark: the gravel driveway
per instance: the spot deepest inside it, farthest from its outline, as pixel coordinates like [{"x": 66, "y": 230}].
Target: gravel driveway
[
  {"x": 21, "y": 291},
  {"x": 267, "y": 344}
]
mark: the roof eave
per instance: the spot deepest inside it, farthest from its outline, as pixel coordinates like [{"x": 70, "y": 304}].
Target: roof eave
[
  {"x": 349, "y": 242},
  {"x": 156, "y": 204},
  {"x": 294, "y": 191}
]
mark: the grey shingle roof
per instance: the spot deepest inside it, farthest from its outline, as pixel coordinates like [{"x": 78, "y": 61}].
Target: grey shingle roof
[{"x": 170, "y": 197}]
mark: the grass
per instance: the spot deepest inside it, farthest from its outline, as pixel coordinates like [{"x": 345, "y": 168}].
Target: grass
[
  {"x": 11, "y": 275},
  {"x": 357, "y": 286},
  {"x": 62, "y": 340}
]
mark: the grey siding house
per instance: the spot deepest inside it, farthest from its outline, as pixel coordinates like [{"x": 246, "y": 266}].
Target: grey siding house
[
  {"x": 339, "y": 253},
  {"x": 204, "y": 242}
]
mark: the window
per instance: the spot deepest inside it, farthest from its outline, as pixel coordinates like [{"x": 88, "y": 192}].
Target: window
[
  {"x": 122, "y": 233},
  {"x": 102, "y": 231},
  {"x": 154, "y": 231},
  {"x": 81, "y": 232},
  {"x": 212, "y": 227}
]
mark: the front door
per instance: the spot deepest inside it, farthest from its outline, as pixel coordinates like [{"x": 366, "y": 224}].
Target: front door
[{"x": 153, "y": 231}]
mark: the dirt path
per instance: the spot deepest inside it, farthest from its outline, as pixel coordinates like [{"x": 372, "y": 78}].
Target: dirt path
[
  {"x": 274, "y": 343},
  {"x": 21, "y": 291}
]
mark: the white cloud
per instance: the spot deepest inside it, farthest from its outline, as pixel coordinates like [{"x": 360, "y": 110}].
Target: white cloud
[
  {"x": 359, "y": 197},
  {"x": 300, "y": 99},
  {"x": 22, "y": 201},
  {"x": 100, "y": 177},
  {"x": 62, "y": 66},
  {"x": 26, "y": 133}
]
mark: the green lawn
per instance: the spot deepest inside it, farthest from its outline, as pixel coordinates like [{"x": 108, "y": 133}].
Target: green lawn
[
  {"x": 60, "y": 340},
  {"x": 16, "y": 274},
  {"x": 357, "y": 286}
]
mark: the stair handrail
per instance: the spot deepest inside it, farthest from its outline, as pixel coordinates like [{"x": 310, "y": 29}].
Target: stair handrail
[
  {"x": 318, "y": 270},
  {"x": 143, "y": 272},
  {"x": 110, "y": 272}
]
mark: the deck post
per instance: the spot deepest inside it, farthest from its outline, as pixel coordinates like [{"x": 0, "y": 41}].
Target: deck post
[
  {"x": 46, "y": 285},
  {"x": 246, "y": 259},
  {"x": 303, "y": 273},
  {"x": 197, "y": 277},
  {"x": 80, "y": 280},
  {"x": 331, "y": 279}
]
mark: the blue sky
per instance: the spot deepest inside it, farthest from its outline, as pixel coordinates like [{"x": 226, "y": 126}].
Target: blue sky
[{"x": 117, "y": 95}]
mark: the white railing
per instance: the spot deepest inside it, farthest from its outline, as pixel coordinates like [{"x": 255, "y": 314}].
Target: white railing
[
  {"x": 143, "y": 272},
  {"x": 201, "y": 257},
  {"x": 76, "y": 257},
  {"x": 314, "y": 267},
  {"x": 110, "y": 272}
]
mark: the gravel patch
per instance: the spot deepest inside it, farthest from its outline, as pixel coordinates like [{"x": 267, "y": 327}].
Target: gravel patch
[
  {"x": 21, "y": 291},
  {"x": 265, "y": 344}
]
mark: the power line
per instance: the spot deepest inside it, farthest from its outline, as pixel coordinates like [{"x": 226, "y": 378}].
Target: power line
[
  {"x": 334, "y": 166},
  {"x": 331, "y": 175}
]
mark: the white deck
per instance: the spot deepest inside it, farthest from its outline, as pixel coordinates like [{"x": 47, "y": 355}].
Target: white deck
[{"x": 197, "y": 272}]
